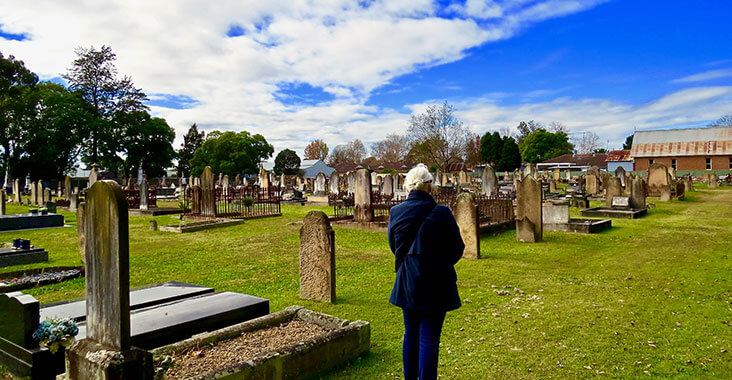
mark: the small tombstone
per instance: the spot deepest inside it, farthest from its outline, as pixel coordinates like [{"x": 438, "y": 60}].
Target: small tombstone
[
  {"x": 552, "y": 185},
  {"x": 637, "y": 194},
  {"x": 362, "y": 210},
  {"x": 569, "y": 175},
  {"x": 319, "y": 188},
  {"x": 153, "y": 225},
  {"x": 73, "y": 202},
  {"x": 106, "y": 352},
  {"x": 620, "y": 202},
  {"x": 387, "y": 187},
  {"x": 46, "y": 195},
  {"x": 50, "y": 206},
  {"x": 59, "y": 192},
  {"x": 466, "y": 216},
  {"x": 93, "y": 176},
  {"x": 67, "y": 188},
  {"x": 80, "y": 215},
  {"x": 263, "y": 178},
  {"x": 317, "y": 258},
  {"x": 164, "y": 181},
  {"x": 672, "y": 173},
  {"x": 397, "y": 180},
  {"x": 490, "y": 181},
  {"x": 143, "y": 193},
  {"x": 351, "y": 182},
  {"x": 283, "y": 182},
  {"x": 20, "y": 314},
  {"x": 555, "y": 214},
  {"x": 2, "y": 202},
  {"x": 225, "y": 182},
  {"x": 712, "y": 180},
  {"x": 688, "y": 183},
  {"x": 374, "y": 178},
  {"x": 16, "y": 191},
  {"x": 665, "y": 192},
  {"x": 334, "y": 185},
  {"x": 614, "y": 189},
  {"x": 528, "y": 211},
  {"x": 237, "y": 179},
  {"x": 620, "y": 173}
]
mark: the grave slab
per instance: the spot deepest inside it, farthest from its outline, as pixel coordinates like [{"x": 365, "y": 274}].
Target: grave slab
[
  {"x": 10, "y": 257},
  {"x": 27, "y": 221},
  {"x": 601, "y": 212}
]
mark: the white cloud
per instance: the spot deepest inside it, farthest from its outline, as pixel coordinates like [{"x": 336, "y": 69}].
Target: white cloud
[{"x": 705, "y": 76}]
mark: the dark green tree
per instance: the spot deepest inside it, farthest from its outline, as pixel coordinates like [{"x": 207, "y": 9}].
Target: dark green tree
[
  {"x": 526, "y": 129},
  {"x": 231, "y": 153},
  {"x": 51, "y": 144},
  {"x": 541, "y": 145},
  {"x": 146, "y": 141},
  {"x": 628, "y": 142},
  {"x": 94, "y": 76},
  {"x": 191, "y": 141},
  {"x": 510, "y": 155},
  {"x": 16, "y": 108},
  {"x": 287, "y": 162},
  {"x": 491, "y": 146}
]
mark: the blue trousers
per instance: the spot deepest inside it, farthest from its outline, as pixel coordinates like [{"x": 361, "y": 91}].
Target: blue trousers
[{"x": 421, "y": 344}]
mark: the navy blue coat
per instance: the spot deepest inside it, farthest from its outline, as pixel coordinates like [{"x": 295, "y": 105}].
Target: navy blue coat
[{"x": 426, "y": 243}]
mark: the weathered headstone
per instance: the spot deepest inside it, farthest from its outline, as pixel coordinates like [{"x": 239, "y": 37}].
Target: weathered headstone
[
  {"x": 614, "y": 189},
  {"x": 106, "y": 352},
  {"x": 33, "y": 195},
  {"x": 620, "y": 173},
  {"x": 466, "y": 216},
  {"x": 362, "y": 210},
  {"x": 2, "y": 202},
  {"x": 351, "y": 182},
  {"x": 688, "y": 183},
  {"x": 153, "y": 225},
  {"x": 490, "y": 181},
  {"x": 164, "y": 181},
  {"x": 557, "y": 174},
  {"x": 208, "y": 196},
  {"x": 225, "y": 182},
  {"x": 592, "y": 184},
  {"x": 93, "y": 176},
  {"x": 374, "y": 178},
  {"x": 319, "y": 185},
  {"x": 638, "y": 194},
  {"x": 237, "y": 179},
  {"x": 528, "y": 211},
  {"x": 658, "y": 175},
  {"x": 46, "y": 195},
  {"x": 387, "y": 187},
  {"x": 16, "y": 191},
  {"x": 665, "y": 193},
  {"x": 317, "y": 258},
  {"x": 555, "y": 214},
  {"x": 620, "y": 202},
  {"x": 712, "y": 180},
  {"x": 552, "y": 185},
  {"x": 143, "y": 193},
  {"x": 334, "y": 183},
  {"x": 73, "y": 202},
  {"x": 263, "y": 178}
]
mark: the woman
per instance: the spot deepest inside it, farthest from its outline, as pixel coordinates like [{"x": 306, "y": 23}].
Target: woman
[{"x": 426, "y": 243}]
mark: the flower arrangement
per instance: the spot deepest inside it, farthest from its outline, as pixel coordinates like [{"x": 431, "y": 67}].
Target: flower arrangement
[
  {"x": 248, "y": 201},
  {"x": 55, "y": 333}
]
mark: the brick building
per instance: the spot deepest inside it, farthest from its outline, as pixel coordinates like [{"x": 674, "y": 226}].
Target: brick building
[{"x": 707, "y": 148}]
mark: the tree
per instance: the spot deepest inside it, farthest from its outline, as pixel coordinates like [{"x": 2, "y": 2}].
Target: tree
[
  {"x": 191, "y": 141},
  {"x": 351, "y": 152},
  {"x": 231, "y": 153},
  {"x": 510, "y": 155},
  {"x": 16, "y": 107},
  {"x": 95, "y": 77},
  {"x": 556, "y": 126},
  {"x": 588, "y": 143},
  {"x": 628, "y": 142},
  {"x": 526, "y": 129},
  {"x": 724, "y": 121},
  {"x": 51, "y": 142},
  {"x": 316, "y": 150},
  {"x": 441, "y": 134},
  {"x": 541, "y": 145},
  {"x": 146, "y": 141},
  {"x": 393, "y": 148},
  {"x": 472, "y": 151},
  {"x": 491, "y": 146},
  {"x": 287, "y": 162}
]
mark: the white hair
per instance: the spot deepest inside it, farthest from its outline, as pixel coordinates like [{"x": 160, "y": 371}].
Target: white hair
[{"x": 418, "y": 178}]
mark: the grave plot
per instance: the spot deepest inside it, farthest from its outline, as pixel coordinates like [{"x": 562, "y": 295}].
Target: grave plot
[
  {"x": 29, "y": 278},
  {"x": 200, "y": 225},
  {"x": 556, "y": 218},
  {"x": 30, "y": 220},
  {"x": 294, "y": 343},
  {"x": 10, "y": 256}
]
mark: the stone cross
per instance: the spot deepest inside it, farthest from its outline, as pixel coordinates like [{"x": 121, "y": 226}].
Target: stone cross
[
  {"x": 490, "y": 181},
  {"x": 362, "y": 210},
  {"x": 528, "y": 211},
  {"x": 143, "y": 193},
  {"x": 466, "y": 216},
  {"x": 106, "y": 353},
  {"x": 614, "y": 189},
  {"x": 317, "y": 258}
]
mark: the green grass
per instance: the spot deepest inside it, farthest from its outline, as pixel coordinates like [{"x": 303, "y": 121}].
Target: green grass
[{"x": 591, "y": 303}]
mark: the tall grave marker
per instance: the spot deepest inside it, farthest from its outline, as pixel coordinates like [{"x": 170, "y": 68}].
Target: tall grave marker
[
  {"x": 317, "y": 258},
  {"x": 528, "y": 211}
]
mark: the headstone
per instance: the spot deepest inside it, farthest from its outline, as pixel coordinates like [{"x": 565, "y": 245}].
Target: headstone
[
  {"x": 658, "y": 175},
  {"x": 208, "y": 196},
  {"x": 672, "y": 173},
  {"x": 283, "y": 182},
  {"x": 73, "y": 202},
  {"x": 362, "y": 211},
  {"x": 237, "y": 179},
  {"x": 620, "y": 173},
  {"x": 106, "y": 352},
  {"x": 374, "y": 178},
  {"x": 490, "y": 181},
  {"x": 46, "y": 195},
  {"x": 263, "y": 178},
  {"x": 317, "y": 258},
  {"x": 552, "y": 185},
  {"x": 557, "y": 174},
  {"x": 466, "y": 216},
  {"x": 2, "y": 202},
  {"x": 555, "y": 214},
  {"x": 59, "y": 193},
  {"x": 20, "y": 314},
  {"x": 164, "y": 181},
  {"x": 665, "y": 192},
  {"x": 569, "y": 175},
  {"x": 638, "y": 194},
  {"x": 688, "y": 183},
  {"x": 528, "y": 211},
  {"x": 592, "y": 184},
  {"x": 33, "y": 195},
  {"x": 225, "y": 182},
  {"x": 620, "y": 202},
  {"x": 94, "y": 176},
  {"x": 351, "y": 182},
  {"x": 397, "y": 181},
  {"x": 387, "y": 187},
  {"x": 143, "y": 193},
  {"x": 319, "y": 185},
  {"x": 16, "y": 191},
  {"x": 333, "y": 183},
  {"x": 67, "y": 188},
  {"x": 153, "y": 225},
  {"x": 712, "y": 180},
  {"x": 614, "y": 189}
]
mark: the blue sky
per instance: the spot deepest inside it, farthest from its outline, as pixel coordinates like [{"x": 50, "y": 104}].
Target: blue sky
[{"x": 346, "y": 69}]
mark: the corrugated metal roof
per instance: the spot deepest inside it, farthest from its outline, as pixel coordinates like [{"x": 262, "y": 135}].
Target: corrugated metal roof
[
  {"x": 710, "y": 141},
  {"x": 619, "y": 155}
]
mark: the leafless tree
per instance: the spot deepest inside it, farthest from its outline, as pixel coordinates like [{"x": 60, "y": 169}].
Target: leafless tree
[
  {"x": 439, "y": 136},
  {"x": 588, "y": 143},
  {"x": 393, "y": 148},
  {"x": 556, "y": 126},
  {"x": 351, "y": 152}
]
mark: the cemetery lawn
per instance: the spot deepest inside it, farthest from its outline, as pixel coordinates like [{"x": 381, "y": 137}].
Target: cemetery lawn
[{"x": 649, "y": 297}]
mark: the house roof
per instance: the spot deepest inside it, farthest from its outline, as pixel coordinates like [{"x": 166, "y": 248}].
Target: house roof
[
  {"x": 350, "y": 166},
  {"x": 619, "y": 155},
  {"x": 591, "y": 159},
  {"x": 709, "y": 141}
]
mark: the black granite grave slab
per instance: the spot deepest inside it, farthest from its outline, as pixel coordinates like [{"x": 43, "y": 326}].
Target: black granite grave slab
[
  {"x": 27, "y": 221},
  {"x": 139, "y": 299},
  {"x": 601, "y": 212},
  {"x": 10, "y": 257},
  {"x": 163, "y": 324}
]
